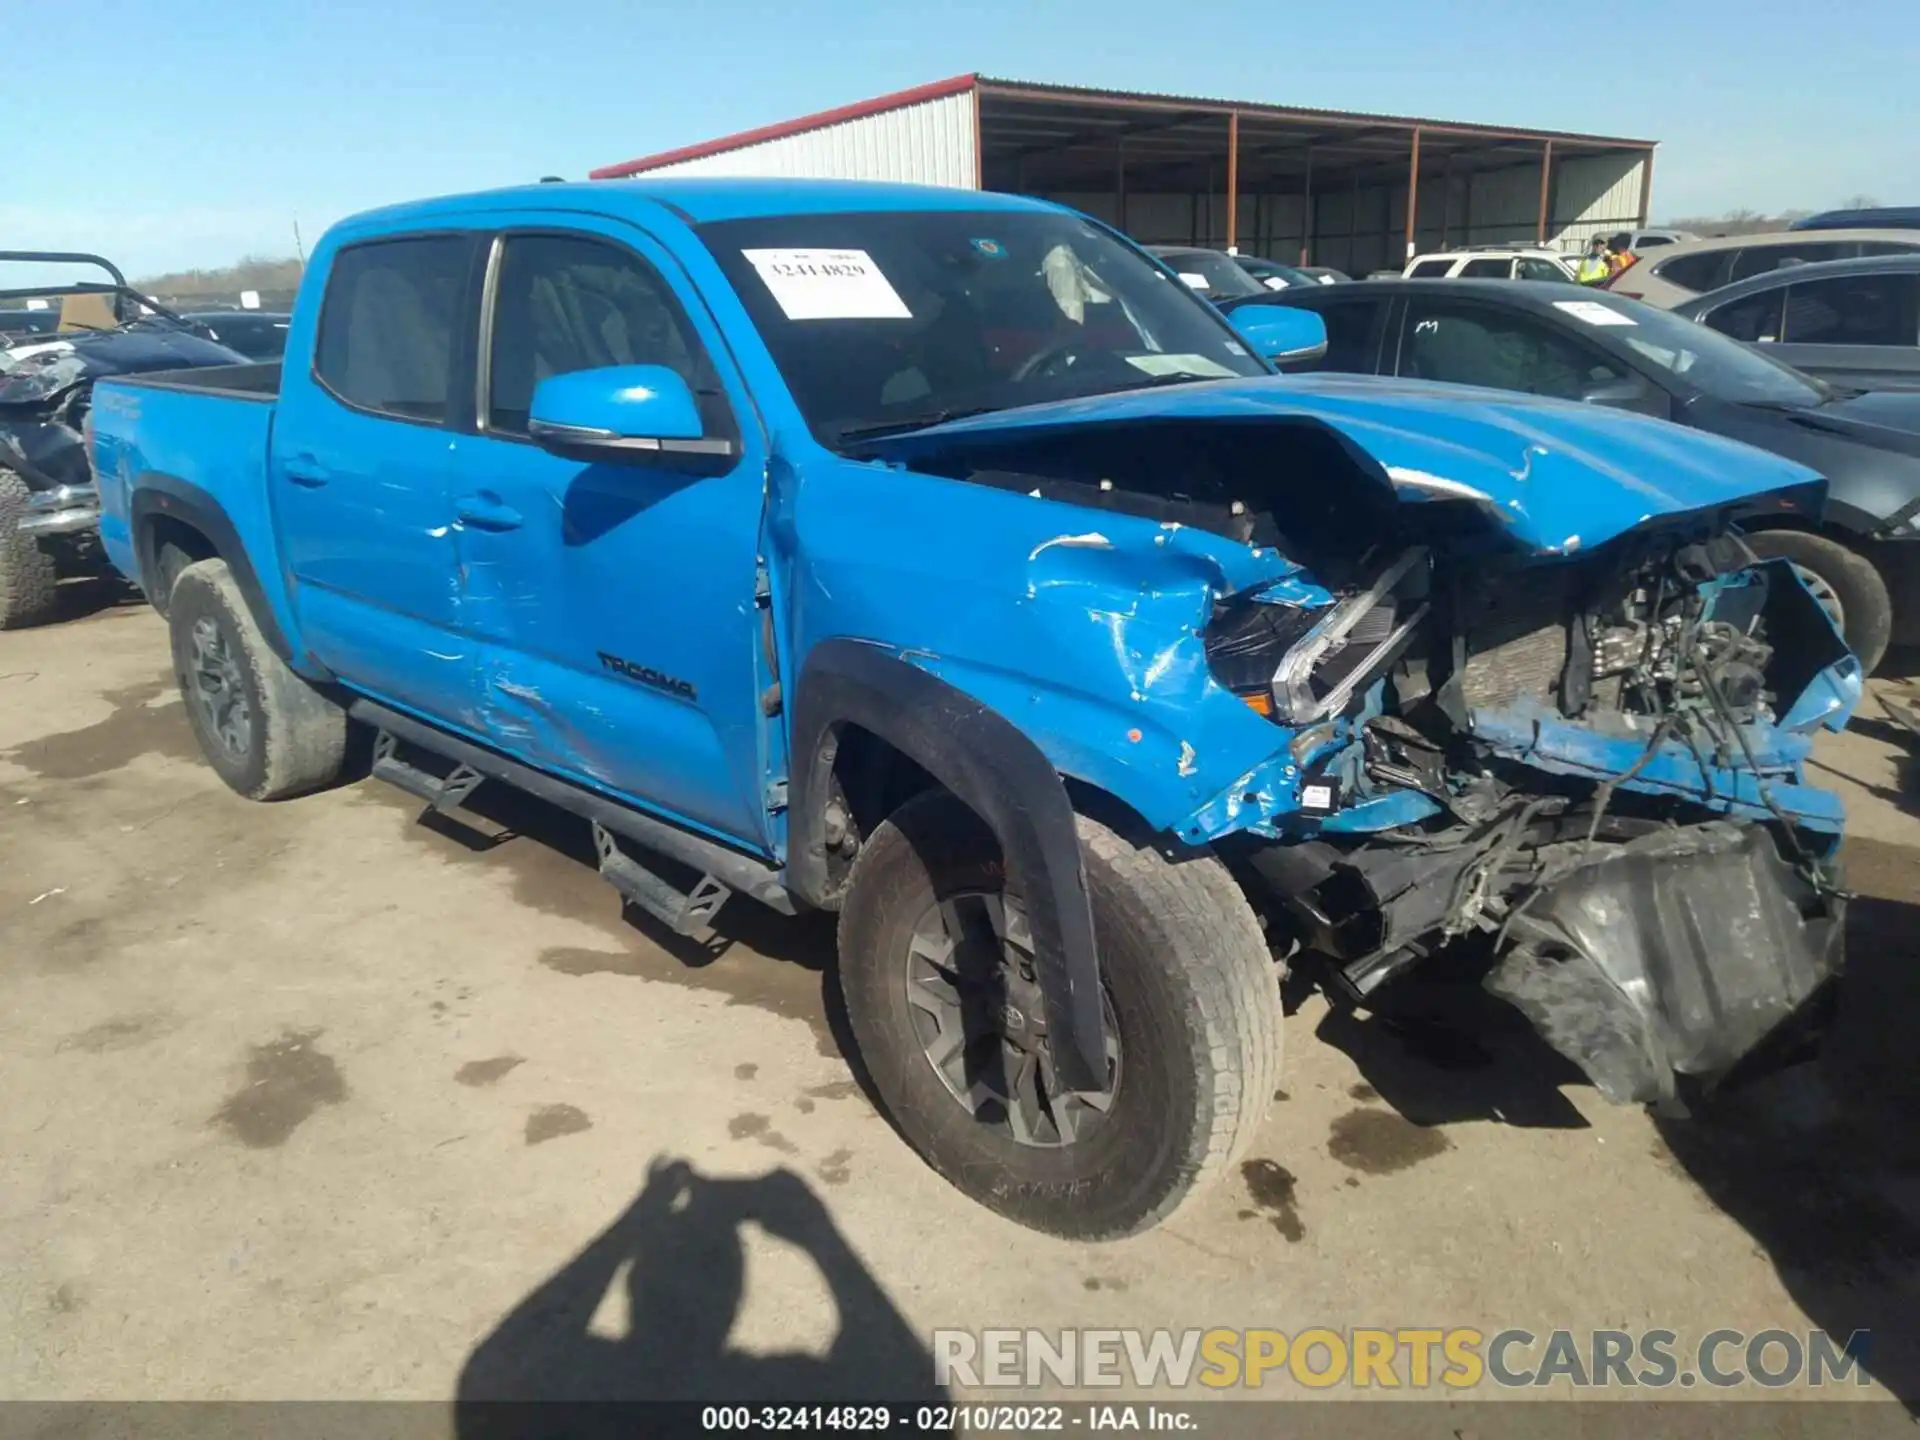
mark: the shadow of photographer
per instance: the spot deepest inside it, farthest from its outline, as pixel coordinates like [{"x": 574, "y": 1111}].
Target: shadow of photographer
[{"x": 681, "y": 1243}]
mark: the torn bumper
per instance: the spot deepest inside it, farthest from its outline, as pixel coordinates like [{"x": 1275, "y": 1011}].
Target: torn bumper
[
  {"x": 64, "y": 510},
  {"x": 1682, "y": 953}
]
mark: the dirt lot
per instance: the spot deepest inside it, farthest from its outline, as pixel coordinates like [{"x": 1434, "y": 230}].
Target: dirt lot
[{"x": 319, "y": 1100}]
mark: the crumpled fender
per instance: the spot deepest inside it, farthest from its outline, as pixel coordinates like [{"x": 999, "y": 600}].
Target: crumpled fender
[{"x": 998, "y": 772}]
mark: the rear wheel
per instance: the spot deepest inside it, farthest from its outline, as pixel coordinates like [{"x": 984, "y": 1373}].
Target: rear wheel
[
  {"x": 1847, "y": 586},
  {"x": 264, "y": 730},
  {"x": 944, "y": 1000},
  {"x": 27, "y": 574}
]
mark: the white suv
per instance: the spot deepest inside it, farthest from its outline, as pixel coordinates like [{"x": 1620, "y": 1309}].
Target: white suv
[{"x": 1491, "y": 262}]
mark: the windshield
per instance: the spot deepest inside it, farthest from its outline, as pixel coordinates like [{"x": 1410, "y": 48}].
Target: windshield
[
  {"x": 1705, "y": 359},
  {"x": 889, "y": 321},
  {"x": 1210, "y": 273}
]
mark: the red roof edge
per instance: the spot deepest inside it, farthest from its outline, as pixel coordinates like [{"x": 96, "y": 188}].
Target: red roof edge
[{"x": 879, "y": 105}]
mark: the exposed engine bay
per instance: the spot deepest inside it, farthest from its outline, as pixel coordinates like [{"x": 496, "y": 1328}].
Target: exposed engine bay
[
  {"x": 1625, "y": 923},
  {"x": 1577, "y": 766}
]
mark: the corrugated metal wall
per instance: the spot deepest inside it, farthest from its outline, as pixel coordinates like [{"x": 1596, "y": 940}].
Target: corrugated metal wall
[
  {"x": 931, "y": 143},
  {"x": 1363, "y": 230}
]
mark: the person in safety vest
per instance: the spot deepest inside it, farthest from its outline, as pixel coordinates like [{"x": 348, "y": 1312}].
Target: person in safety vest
[
  {"x": 1620, "y": 253},
  {"x": 1593, "y": 265}
]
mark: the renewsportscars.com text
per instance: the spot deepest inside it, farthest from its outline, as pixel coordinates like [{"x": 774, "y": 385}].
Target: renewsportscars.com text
[{"x": 1459, "y": 1358}]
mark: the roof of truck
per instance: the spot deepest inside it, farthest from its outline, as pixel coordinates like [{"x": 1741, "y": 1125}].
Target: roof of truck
[{"x": 698, "y": 200}]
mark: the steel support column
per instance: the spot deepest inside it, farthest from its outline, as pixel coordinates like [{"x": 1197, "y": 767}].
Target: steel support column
[
  {"x": 1546, "y": 187},
  {"x": 1233, "y": 179},
  {"x": 1413, "y": 189},
  {"x": 1306, "y": 214}
]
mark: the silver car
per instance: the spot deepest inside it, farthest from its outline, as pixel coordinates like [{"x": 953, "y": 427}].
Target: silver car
[{"x": 1678, "y": 272}]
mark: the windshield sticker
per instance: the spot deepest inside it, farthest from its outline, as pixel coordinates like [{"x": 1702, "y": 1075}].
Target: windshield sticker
[
  {"x": 828, "y": 285},
  {"x": 1198, "y": 366},
  {"x": 1197, "y": 282},
  {"x": 1593, "y": 312}
]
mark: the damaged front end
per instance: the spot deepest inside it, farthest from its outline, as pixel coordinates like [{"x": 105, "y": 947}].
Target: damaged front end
[
  {"x": 1611, "y": 755},
  {"x": 1573, "y": 763},
  {"x": 1607, "y": 752}
]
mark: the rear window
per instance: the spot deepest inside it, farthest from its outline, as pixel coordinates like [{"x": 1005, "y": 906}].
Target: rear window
[
  {"x": 388, "y": 325},
  {"x": 1762, "y": 259},
  {"x": 1486, "y": 269},
  {"x": 1700, "y": 272},
  {"x": 1431, "y": 270}
]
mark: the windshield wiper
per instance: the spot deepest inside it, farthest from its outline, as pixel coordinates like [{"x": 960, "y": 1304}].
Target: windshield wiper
[{"x": 922, "y": 421}]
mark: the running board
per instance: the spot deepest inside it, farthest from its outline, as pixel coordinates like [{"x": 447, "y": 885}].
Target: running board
[
  {"x": 723, "y": 869},
  {"x": 681, "y": 911},
  {"x": 443, "y": 794}
]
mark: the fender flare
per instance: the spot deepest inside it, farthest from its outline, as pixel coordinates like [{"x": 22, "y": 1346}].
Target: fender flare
[
  {"x": 155, "y": 494},
  {"x": 997, "y": 772}
]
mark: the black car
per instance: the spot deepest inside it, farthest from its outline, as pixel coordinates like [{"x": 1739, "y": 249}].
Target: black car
[
  {"x": 49, "y": 504},
  {"x": 1861, "y": 558},
  {"x": 256, "y": 334},
  {"x": 1851, "y": 322},
  {"x": 1212, "y": 274},
  {"x": 18, "y": 325}
]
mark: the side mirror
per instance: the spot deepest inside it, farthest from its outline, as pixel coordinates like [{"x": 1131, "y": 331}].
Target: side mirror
[
  {"x": 1284, "y": 334},
  {"x": 619, "y": 412},
  {"x": 1630, "y": 392}
]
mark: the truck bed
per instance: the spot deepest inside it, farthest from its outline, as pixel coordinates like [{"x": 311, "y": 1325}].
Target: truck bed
[{"x": 259, "y": 380}]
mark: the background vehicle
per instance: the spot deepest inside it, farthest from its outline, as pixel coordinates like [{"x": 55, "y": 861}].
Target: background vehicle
[
  {"x": 1490, "y": 262},
  {"x": 1888, "y": 217},
  {"x": 49, "y": 508},
  {"x": 20, "y": 324},
  {"x": 761, "y": 524},
  {"x": 1849, "y": 322},
  {"x": 1862, "y": 559},
  {"x": 1272, "y": 274},
  {"x": 1694, "y": 267},
  {"x": 1641, "y": 241},
  {"x": 1325, "y": 274},
  {"x": 1213, "y": 274},
  {"x": 256, "y": 334}
]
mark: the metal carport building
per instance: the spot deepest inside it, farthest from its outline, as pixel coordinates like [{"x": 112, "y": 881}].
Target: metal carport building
[{"x": 1321, "y": 187}]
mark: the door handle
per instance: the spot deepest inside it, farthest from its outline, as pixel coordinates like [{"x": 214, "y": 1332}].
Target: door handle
[
  {"x": 304, "y": 470},
  {"x": 484, "y": 512}
]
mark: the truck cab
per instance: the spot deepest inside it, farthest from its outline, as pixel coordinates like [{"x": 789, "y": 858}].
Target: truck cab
[{"x": 938, "y": 558}]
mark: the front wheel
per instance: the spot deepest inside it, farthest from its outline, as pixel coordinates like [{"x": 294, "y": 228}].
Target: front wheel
[
  {"x": 264, "y": 730},
  {"x": 944, "y": 1001},
  {"x": 1847, "y": 586},
  {"x": 28, "y": 579}
]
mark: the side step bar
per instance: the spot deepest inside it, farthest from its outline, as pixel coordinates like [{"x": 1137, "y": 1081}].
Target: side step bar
[
  {"x": 723, "y": 869},
  {"x": 442, "y": 794}
]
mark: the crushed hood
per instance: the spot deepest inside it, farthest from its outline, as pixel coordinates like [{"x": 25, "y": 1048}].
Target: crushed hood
[{"x": 1557, "y": 476}]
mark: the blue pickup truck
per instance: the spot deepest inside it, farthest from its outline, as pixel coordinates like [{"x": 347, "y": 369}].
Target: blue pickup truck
[{"x": 938, "y": 559}]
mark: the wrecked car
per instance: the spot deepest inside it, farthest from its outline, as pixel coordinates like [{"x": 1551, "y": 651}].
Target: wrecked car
[
  {"x": 49, "y": 510},
  {"x": 941, "y": 560}
]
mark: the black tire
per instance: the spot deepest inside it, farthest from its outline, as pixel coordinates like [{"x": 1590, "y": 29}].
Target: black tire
[
  {"x": 1193, "y": 996},
  {"x": 264, "y": 730},
  {"x": 1851, "y": 583},
  {"x": 28, "y": 579}
]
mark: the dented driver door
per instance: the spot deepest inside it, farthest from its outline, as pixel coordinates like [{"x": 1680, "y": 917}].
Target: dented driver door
[{"x": 613, "y": 602}]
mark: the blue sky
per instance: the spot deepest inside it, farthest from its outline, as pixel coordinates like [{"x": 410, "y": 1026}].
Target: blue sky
[{"x": 178, "y": 132}]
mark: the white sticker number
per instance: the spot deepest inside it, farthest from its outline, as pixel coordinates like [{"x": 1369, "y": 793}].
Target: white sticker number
[
  {"x": 1593, "y": 312},
  {"x": 828, "y": 285}
]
